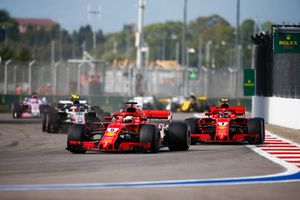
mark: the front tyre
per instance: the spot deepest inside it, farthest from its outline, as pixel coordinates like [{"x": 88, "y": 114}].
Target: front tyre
[
  {"x": 51, "y": 123},
  {"x": 16, "y": 111},
  {"x": 179, "y": 136},
  {"x": 256, "y": 126},
  {"x": 75, "y": 138}
]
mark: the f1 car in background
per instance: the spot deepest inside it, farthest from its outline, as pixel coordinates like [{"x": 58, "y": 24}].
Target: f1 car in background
[
  {"x": 182, "y": 104},
  {"x": 30, "y": 107},
  {"x": 147, "y": 103},
  {"x": 227, "y": 123},
  {"x": 58, "y": 117},
  {"x": 129, "y": 130}
]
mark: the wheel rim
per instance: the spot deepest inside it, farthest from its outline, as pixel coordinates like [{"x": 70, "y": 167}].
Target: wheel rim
[{"x": 188, "y": 139}]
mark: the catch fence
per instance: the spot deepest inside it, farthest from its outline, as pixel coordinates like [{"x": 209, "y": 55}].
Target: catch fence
[{"x": 85, "y": 78}]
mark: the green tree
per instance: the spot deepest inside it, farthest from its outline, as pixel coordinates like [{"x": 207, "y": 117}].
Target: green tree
[
  {"x": 247, "y": 29},
  {"x": 6, "y": 52},
  {"x": 9, "y": 27},
  {"x": 23, "y": 55},
  {"x": 217, "y": 30},
  {"x": 119, "y": 45},
  {"x": 162, "y": 39}
]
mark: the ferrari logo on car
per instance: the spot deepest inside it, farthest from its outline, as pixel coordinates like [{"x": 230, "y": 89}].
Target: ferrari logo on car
[
  {"x": 112, "y": 130},
  {"x": 222, "y": 124}
]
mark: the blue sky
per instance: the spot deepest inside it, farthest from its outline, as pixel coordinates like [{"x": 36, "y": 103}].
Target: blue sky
[{"x": 72, "y": 14}]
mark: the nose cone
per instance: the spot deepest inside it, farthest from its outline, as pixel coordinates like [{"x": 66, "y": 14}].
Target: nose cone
[
  {"x": 108, "y": 140},
  {"x": 222, "y": 129}
]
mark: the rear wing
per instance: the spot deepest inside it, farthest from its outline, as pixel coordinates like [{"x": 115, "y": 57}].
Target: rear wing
[
  {"x": 81, "y": 101},
  {"x": 157, "y": 114},
  {"x": 239, "y": 110}
]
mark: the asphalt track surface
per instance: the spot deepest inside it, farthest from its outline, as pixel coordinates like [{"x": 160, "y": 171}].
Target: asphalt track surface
[{"x": 30, "y": 157}]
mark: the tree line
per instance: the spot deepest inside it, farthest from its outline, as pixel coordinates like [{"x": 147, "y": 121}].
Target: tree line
[{"x": 212, "y": 33}]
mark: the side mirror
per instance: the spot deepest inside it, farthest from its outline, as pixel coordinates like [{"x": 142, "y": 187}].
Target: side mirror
[{"x": 107, "y": 118}]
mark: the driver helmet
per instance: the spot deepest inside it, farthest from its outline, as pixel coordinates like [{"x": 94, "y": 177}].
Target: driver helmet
[
  {"x": 128, "y": 119},
  {"x": 34, "y": 99},
  {"x": 192, "y": 96},
  {"x": 73, "y": 108},
  {"x": 220, "y": 114}
]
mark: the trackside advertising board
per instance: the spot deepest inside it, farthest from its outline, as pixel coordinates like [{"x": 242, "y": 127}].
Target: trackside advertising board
[
  {"x": 286, "y": 42},
  {"x": 249, "y": 82}
]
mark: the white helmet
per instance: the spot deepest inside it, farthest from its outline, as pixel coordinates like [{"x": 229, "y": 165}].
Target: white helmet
[{"x": 128, "y": 119}]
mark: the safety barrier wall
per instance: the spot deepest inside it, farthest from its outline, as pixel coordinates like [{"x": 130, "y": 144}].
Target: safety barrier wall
[{"x": 277, "y": 110}]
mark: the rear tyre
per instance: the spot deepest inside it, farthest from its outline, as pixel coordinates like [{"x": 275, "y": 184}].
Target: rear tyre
[
  {"x": 179, "y": 136},
  {"x": 192, "y": 123},
  {"x": 262, "y": 120},
  {"x": 256, "y": 126},
  {"x": 99, "y": 113},
  {"x": 76, "y": 134},
  {"x": 150, "y": 134}
]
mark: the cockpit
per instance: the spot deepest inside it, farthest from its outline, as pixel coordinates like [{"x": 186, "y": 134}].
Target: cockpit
[
  {"x": 128, "y": 119},
  {"x": 223, "y": 114}
]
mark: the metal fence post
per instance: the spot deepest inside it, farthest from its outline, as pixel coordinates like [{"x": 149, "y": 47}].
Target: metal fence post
[
  {"x": 55, "y": 77},
  {"x": 5, "y": 75},
  {"x": 15, "y": 74},
  {"x": 205, "y": 69},
  {"x": 29, "y": 76},
  {"x": 78, "y": 78}
]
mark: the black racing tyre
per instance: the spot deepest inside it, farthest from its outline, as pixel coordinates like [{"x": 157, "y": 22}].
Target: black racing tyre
[
  {"x": 99, "y": 112},
  {"x": 192, "y": 123},
  {"x": 174, "y": 107},
  {"x": 16, "y": 110},
  {"x": 194, "y": 107},
  {"x": 52, "y": 123},
  {"x": 262, "y": 121},
  {"x": 256, "y": 126},
  {"x": 179, "y": 136},
  {"x": 150, "y": 134},
  {"x": 76, "y": 133},
  {"x": 91, "y": 117},
  {"x": 44, "y": 122}
]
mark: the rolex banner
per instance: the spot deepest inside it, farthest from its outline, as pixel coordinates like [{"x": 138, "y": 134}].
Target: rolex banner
[{"x": 285, "y": 42}]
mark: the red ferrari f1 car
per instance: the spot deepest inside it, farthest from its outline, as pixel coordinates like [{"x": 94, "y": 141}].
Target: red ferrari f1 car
[
  {"x": 132, "y": 129},
  {"x": 227, "y": 123}
]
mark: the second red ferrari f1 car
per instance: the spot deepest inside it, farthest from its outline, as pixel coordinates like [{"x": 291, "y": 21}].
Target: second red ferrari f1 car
[
  {"x": 227, "y": 123},
  {"x": 129, "y": 130}
]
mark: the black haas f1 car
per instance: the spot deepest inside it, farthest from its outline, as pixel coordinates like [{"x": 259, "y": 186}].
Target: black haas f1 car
[
  {"x": 59, "y": 117},
  {"x": 30, "y": 107},
  {"x": 227, "y": 123},
  {"x": 132, "y": 129}
]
